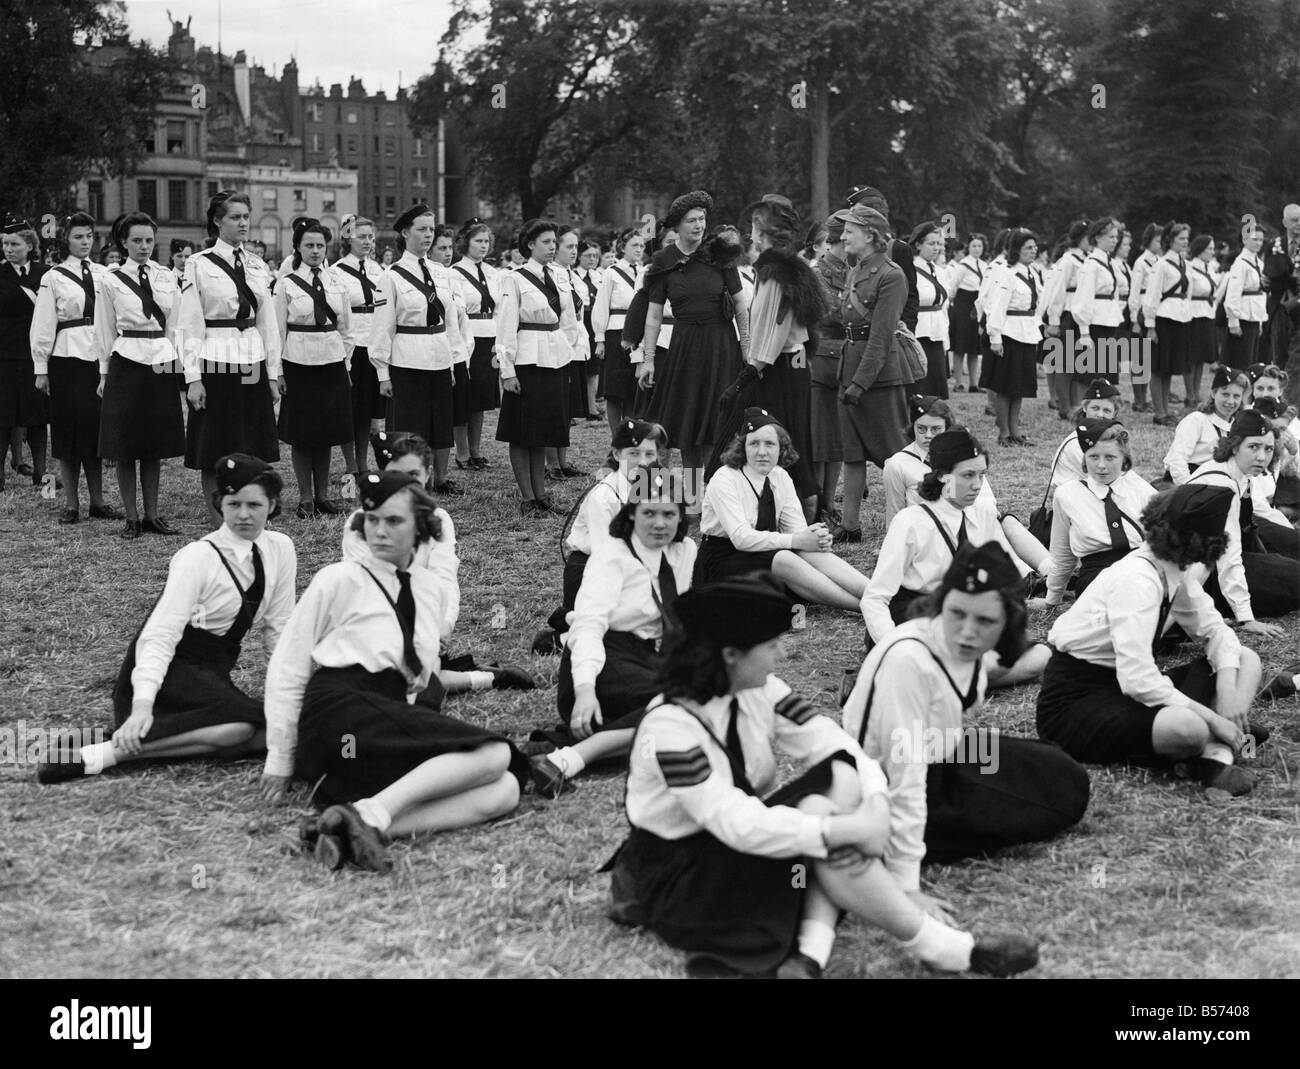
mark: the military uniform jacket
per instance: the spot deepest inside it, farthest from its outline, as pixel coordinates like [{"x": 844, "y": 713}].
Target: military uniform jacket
[{"x": 881, "y": 291}]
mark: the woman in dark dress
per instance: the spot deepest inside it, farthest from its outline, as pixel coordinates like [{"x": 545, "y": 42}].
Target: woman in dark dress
[
  {"x": 702, "y": 285},
  {"x": 22, "y": 405}
]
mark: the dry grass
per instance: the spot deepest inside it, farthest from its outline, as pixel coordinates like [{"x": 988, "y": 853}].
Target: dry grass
[{"x": 180, "y": 870}]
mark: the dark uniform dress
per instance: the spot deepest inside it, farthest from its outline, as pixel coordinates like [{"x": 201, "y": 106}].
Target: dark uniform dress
[
  {"x": 963, "y": 323},
  {"x": 703, "y": 358},
  {"x": 183, "y": 663},
  {"x": 617, "y": 286},
  {"x": 21, "y": 403}
]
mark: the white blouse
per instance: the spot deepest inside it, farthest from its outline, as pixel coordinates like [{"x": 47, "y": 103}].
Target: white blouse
[
  {"x": 904, "y": 472},
  {"x": 1195, "y": 438},
  {"x": 524, "y": 307},
  {"x": 1079, "y": 526},
  {"x": 59, "y": 300},
  {"x": 1171, "y": 274},
  {"x": 482, "y": 324},
  {"x": 1232, "y": 572},
  {"x": 1016, "y": 306},
  {"x": 617, "y": 287},
  {"x": 1202, "y": 294},
  {"x": 294, "y": 307},
  {"x": 730, "y": 509},
  {"x": 1244, "y": 299},
  {"x": 118, "y": 308},
  {"x": 599, "y": 506},
  {"x": 1063, "y": 285},
  {"x": 437, "y": 557},
  {"x": 407, "y": 307},
  {"x": 361, "y": 317},
  {"x": 1141, "y": 273},
  {"x": 209, "y": 293},
  {"x": 932, "y": 309},
  {"x": 1097, "y": 298}
]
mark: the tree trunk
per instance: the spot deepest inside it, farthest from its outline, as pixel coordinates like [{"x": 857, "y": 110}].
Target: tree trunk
[{"x": 820, "y": 170}]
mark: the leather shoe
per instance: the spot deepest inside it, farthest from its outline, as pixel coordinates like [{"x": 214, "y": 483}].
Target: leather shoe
[
  {"x": 844, "y": 534},
  {"x": 570, "y": 472},
  {"x": 511, "y": 677},
  {"x": 158, "y": 526},
  {"x": 1281, "y": 685},
  {"x": 327, "y": 508},
  {"x": 131, "y": 529},
  {"x": 448, "y": 487},
  {"x": 48, "y": 772},
  {"x": 69, "y": 516},
  {"x": 548, "y": 780},
  {"x": 305, "y": 510},
  {"x": 1003, "y": 955},
  {"x": 364, "y": 844},
  {"x": 546, "y": 641},
  {"x": 105, "y": 512},
  {"x": 798, "y": 967},
  {"x": 1231, "y": 778}
]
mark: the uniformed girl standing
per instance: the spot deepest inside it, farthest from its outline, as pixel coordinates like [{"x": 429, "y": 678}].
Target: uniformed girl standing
[
  {"x": 932, "y": 308},
  {"x": 1095, "y": 520},
  {"x": 1202, "y": 344},
  {"x": 181, "y": 251},
  {"x": 1058, "y": 302},
  {"x": 362, "y": 281},
  {"x": 361, "y": 645},
  {"x": 174, "y": 697},
  {"x": 1199, "y": 433},
  {"x": 588, "y": 275},
  {"x": 481, "y": 287},
  {"x": 135, "y": 323},
  {"x": 1167, "y": 309},
  {"x": 312, "y": 310},
  {"x": 915, "y": 709},
  {"x": 65, "y": 358},
  {"x": 22, "y": 406},
  {"x": 967, "y": 276},
  {"x": 617, "y": 286},
  {"x": 1245, "y": 302},
  {"x": 575, "y": 374},
  {"x": 1098, "y": 312},
  {"x": 1105, "y": 701},
  {"x": 418, "y": 337},
  {"x": 1015, "y": 337},
  {"x": 537, "y": 332},
  {"x": 231, "y": 347},
  {"x": 707, "y": 866}
]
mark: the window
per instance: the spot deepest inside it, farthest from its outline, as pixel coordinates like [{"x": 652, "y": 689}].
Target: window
[
  {"x": 178, "y": 201},
  {"x": 376, "y": 150},
  {"x": 268, "y": 200},
  {"x": 354, "y": 146},
  {"x": 317, "y": 143},
  {"x": 388, "y": 117},
  {"x": 390, "y": 176},
  {"x": 147, "y": 141},
  {"x": 352, "y": 118},
  {"x": 417, "y": 176},
  {"x": 328, "y": 201},
  {"x": 376, "y": 110},
  {"x": 377, "y": 208},
  {"x": 390, "y": 204},
  {"x": 147, "y": 196},
  {"x": 390, "y": 146},
  {"x": 95, "y": 200},
  {"x": 212, "y": 190},
  {"x": 175, "y": 137},
  {"x": 417, "y": 148},
  {"x": 299, "y": 200},
  {"x": 316, "y": 112}
]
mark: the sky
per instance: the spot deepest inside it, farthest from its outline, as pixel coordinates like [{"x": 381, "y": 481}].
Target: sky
[{"x": 332, "y": 40}]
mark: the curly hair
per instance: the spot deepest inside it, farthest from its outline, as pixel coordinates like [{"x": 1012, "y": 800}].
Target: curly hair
[
  {"x": 1170, "y": 543},
  {"x": 940, "y": 409},
  {"x": 1228, "y": 445},
  {"x": 468, "y": 232},
  {"x": 1012, "y": 642},
  {"x": 687, "y": 202},
  {"x": 931, "y": 485},
  {"x": 531, "y": 231},
  {"x": 734, "y": 455},
  {"x": 692, "y": 668}
]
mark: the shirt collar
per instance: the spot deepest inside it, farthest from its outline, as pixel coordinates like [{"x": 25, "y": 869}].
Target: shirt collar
[
  {"x": 240, "y": 548},
  {"x": 947, "y": 504},
  {"x": 1099, "y": 488},
  {"x": 648, "y": 556},
  {"x": 74, "y": 263},
  {"x": 226, "y": 249},
  {"x": 916, "y": 451},
  {"x": 1173, "y": 575},
  {"x": 1219, "y": 421}
]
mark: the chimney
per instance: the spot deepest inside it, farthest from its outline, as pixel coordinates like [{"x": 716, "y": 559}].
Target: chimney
[
  {"x": 336, "y": 91},
  {"x": 242, "y": 86},
  {"x": 289, "y": 97},
  {"x": 356, "y": 91}
]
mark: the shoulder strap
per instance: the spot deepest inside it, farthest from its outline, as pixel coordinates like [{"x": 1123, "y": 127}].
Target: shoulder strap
[
  {"x": 359, "y": 273},
  {"x": 623, "y": 275},
  {"x": 1180, "y": 284},
  {"x": 64, "y": 271},
  {"x": 229, "y": 570},
  {"x": 241, "y": 284},
  {"x": 147, "y": 302},
  {"x": 318, "y": 298},
  {"x": 418, "y": 283},
  {"x": 952, "y": 546},
  {"x": 536, "y": 282},
  {"x": 485, "y": 295},
  {"x": 967, "y": 699},
  {"x": 402, "y": 624}
]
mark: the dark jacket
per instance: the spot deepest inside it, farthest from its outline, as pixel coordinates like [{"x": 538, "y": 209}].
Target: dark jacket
[
  {"x": 1279, "y": 274},
  {"x": 881, "y": 289},
  {"x": 16, "y": 311},
  {"x": 901, "y": 253}
]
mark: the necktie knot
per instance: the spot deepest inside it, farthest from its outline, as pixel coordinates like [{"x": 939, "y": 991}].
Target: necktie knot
[{"x": 144, "y": 273}]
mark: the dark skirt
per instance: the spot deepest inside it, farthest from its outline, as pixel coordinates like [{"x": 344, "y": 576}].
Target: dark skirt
[
  {"x": 484, "y": 379},
  {"x": 936, "y": 369},
  {"x": 1287, "y": 494},
  {"x": 1101, "y": 359},
  {"x": 719, "y": 559},
  {"x": 1273, "y": 580},
  {"x": 538, "y": 415},
  {"x": 784, "y": 390},
  {"x": 1240, "y": 352},
  {"x": 238, "y": 417},
  {"x": 196, "y": 692},
  {"x": 975, "y": 807},
  {"x": 702, "y": 361},
  {"x": 74, "y": 409},
  {"x": 367, "y": 402},
  {"x": 628, "y": 681},
  {"x": 873, "y": 428},
  {"x": 1082, "y": 709},
  {"x": 316, "y": 409},
  {"x": 141, "y": 416},
  {"x": 21, "y": 403},
  {"x": 1015, "y": 372},
  {"x": 824, "y": 408},
  {"x": 900, "y": 604},
  {"x": 1201, "y": 342},
  {"x": 460, "y": 395},
  {"x": 391, "y": 736},
  {"x": 617, "y": 377},
  {"x": 717, "y": 904},
  {"x": 1093, "y": 565},
  {"x": 1173, "y": 351},
  {"x": 575, "y": 374},
  {"x": 575, "y": 567},
  {"x": 963, "y": 328},
  {"x": 421, "y": 404}
]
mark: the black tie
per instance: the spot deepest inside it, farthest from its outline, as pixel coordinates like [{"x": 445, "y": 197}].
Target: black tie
[
  {"x": 88, "y": 284},
  {"x": 245, "y": 309},
  {"x": 962, "y": 538},
  {"x": 667, "y": 593},
  {"x": 252, "y": 600},
  {"x": 766, "y": 509},
  {"x": 433, "y": 314},
  {"x": 1247, "y": 511},
  {"x": 488, "y": 305},
  {"x": 734, "y": 749},
  {"x": 319, "y": 289},
  {"x": 406, "y": 617},
  {"x": 552, "y": 292},
  {"x": 1115, "y": 523},
  {"x": 367, "y": 287},
  {"x": 1160, "y": 620},
  {"x": 150, "y": 306}
]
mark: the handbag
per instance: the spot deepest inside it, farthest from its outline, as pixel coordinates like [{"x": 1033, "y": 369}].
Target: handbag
[
  {"x": 1040, "y": 520},
  {"x": 913, "y": 356}
]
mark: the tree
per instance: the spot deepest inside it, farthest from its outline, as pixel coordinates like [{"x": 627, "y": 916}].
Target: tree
[
  {"x": 63, "y": 108},
  {"x": 551, "y": 87}
]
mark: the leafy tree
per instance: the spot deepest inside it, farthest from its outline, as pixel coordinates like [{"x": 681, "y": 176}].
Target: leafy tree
[{"x": 75, "y": 93}]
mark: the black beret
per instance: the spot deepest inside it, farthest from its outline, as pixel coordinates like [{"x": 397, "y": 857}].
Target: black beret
[
  {"x": 867, "y": 197},
  {"x": 1089, "y": 434},
  {"x": 1223, "y": 376},
  {"x": 180, "y": 243},
  {"x": 631, "y": 432},
  {"x": 976, "y": 569},
  {"x": 1270, "y": 407},
  {"x": 378, "y": 488},
  {"x": 411, "y": 215},
  {"x": 697, "y": 198},
  {"x": 236, "y": 470},
  {"x": 1250, "y": 423},
  {"x": 383, "y": 444},
  {"x": 13, "y": 224},
  {"x": 653, "y": 483},
  {"x": 1199, "y": 508},
  {"x": 740, "y": 612},
  {"x": 950, "y": 448},
  {"x": 756, "y": 418},
  {"x": 1101, "y": 390},
  {"x": 1265, "y": 371},
  {"x": 918, "y": 405}
]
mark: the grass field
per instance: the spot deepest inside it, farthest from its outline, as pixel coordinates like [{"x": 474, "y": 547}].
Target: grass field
[{"x": 180, "y": 870}]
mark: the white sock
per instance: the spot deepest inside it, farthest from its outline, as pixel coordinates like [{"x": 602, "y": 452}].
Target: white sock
[
  {"x": 1218, "y": 751},
  {"x": 480, "y": 680},
  {"x": 97, "y": 757},
  {"x": 816, "y": 939},
  {"x": 567, "y": 760},
  {"x": 374, "y": 813},
  {"x": 940, "y": 946}
]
